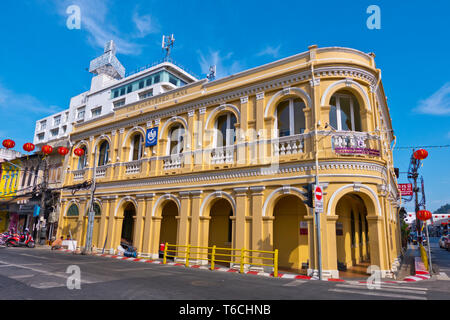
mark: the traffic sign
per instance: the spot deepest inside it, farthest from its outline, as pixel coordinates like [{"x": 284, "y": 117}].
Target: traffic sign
[{"x": 318, "y": 198}]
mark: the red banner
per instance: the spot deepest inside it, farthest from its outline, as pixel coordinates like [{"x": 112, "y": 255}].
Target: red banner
[{"x": 405, "y": 189}]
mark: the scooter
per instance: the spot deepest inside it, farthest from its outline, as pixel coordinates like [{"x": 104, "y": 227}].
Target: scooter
[{"x": 24, "y": 240}]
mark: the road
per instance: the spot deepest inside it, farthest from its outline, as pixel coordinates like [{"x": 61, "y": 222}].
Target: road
[{"x": 42, "y": 274}]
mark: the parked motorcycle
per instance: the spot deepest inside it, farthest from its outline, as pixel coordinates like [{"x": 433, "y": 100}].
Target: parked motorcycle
[{"x": 23, "y": 240}]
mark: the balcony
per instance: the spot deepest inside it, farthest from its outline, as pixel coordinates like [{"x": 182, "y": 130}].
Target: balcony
[
  {"x": 78, "y": 174},
  {"x": 221, "y": 155},
  {"x": 133, "y": 167},
  {"x": 100, "y": 172},
  {"x": 288, "y": 145},
  {"x": 174, "y": 161},
  {"x": 355, "y": 143}
]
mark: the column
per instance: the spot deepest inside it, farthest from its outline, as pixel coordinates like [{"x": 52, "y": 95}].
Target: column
[
  {"x": 199, "y": 146},
  {"x": 139, "y": 223},
  {"x": 103, "y": 221},
  {"x": 329, "y": 247},
  {"x": 195, "y": 231},
  {"x": 183, "y": 222},
  {"x": 111, "y": 223},
  {"x": 147, "y": 218},
  {"x": 190, "y": 141},
  {"x": 80, "y": 229},
  {"x": 257, "y": 205},
  {"x": 376, "y": 243},
  {"x": 312, "y": 266},
  {"x": 239, "y": 218}
]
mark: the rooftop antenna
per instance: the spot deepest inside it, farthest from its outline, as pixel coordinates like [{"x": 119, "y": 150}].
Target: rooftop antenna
[
  {"x": 212, "y": 73},
  {"x": 167, "y": 44}
]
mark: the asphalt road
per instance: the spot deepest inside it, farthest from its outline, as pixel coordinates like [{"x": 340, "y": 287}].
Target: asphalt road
[{"x": 42, "y": 274}]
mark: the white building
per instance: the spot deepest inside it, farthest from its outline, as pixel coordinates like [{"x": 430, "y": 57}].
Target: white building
[{"x": 110, "y": 89}]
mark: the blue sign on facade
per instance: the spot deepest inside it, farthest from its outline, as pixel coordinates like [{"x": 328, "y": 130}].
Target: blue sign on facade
[{"x": 151, "y": 138}]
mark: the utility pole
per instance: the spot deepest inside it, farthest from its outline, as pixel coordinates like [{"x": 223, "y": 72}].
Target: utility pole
[
  {"x": 43, "y": 196},
  {"x": 91, "y": 213}
]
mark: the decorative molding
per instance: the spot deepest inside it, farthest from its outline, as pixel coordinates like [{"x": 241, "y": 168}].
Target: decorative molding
[
  {"x": 315, "y": 82},
  {"x": 260, "y": 96}
]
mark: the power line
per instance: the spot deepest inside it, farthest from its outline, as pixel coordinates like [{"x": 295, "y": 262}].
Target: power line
[{"x": 416, "y": 147}]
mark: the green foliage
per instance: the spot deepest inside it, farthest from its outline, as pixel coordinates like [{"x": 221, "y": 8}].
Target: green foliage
[{"x": 444, "y": 209}]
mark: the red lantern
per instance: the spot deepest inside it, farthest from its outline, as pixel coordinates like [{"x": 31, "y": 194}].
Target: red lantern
[
  {"x": 63, "y": 151},
  {"x": 79, "y": 152},
  {"x": 424, "y": 215},
  {"x": 28, "y": 147},
  {"x": 420, "y": 154},
  {"x": 8, "y": 143},
  {"x": 47, "y": 149}
]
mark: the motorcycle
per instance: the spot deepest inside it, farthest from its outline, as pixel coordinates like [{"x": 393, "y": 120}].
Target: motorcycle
[
  {"x": 24, "y": 240},
  {"x": 3, "y": 237}
]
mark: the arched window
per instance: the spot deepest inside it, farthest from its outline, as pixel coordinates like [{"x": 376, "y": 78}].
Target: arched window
[
  {"x": 176, "y": 139},
  {"x": 137, "y": 147},
  {"x": 83, "y": 159},
  {"x": 97, "y": 209},
  {"x": 345, "y": 112},
  {"x": 290, "y": 119},
  {"x": 103, "y": 156},
  {"x": 225, "y": 130},
  {"x": 73, "y": 211}
]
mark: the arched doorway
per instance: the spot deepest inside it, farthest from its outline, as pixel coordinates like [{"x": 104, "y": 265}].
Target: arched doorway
[
  {"x": 352, "y": 238},
  {"x": 290, "y": 235},
  {"x": 220, "y": 231},
  {"x": 129, "y": 212},
  {"x": 168, "y": 231}
]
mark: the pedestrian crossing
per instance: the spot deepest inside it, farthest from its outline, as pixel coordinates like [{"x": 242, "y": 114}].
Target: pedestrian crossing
[{"x": 380, "y": 291}]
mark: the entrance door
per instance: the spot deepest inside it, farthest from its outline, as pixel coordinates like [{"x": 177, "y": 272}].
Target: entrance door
[{"x": 128, "y": 223}]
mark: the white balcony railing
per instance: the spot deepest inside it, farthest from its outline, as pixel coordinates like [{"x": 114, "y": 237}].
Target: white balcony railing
[
  {"x": 352, "y": 142},
  {"x": 224, "y": 154},
  {"x": 100, "y": 172},
  {"x": 78, "y": 174},
  {"x": 288, "y": 145},
  {"x": 133, "y": 167},
  {"x": 174, "y": 161}
]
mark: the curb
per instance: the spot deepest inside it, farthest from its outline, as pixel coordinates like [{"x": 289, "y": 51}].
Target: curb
[
  {"x": 256, "y": 273},
  {"x": 421, "y": 273}
]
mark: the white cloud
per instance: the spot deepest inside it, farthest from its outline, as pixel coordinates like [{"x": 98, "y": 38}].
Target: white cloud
[
  {"x": 94, "y": 20},
  {"x": 224, "y": 65},
  {"x": 144, "y": 25},
  {"x": 270, "y": 51},
  {"x": 23, "y": 103},
  {"x": 438, "y": 103}
]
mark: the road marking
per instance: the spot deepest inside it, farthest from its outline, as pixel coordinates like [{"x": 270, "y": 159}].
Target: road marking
[
  {"x": 380, "y": 294},
  {"x": 383, "y": 285},
  {"x": 47, "y": 285},
  {"x": 402, "y": 290},
  {"x": 294, "y": 283},
  {"x": 22, "y": 276},
  {"x": 30, "y": 255}
]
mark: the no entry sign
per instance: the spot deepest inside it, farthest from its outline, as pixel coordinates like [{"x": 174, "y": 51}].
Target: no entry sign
[{"x": 318, "y": 198}]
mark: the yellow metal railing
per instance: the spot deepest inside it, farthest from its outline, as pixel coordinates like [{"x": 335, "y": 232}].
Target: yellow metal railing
[{"x": 211, "y": 253}]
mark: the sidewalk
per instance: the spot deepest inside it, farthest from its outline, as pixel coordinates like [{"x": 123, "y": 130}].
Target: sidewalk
[{"x": 407, "y": 265}]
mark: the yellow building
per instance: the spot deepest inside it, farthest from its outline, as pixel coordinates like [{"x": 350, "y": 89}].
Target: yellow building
[
  {"x": 9, "y": 177},
  {"x": 231, "y": 159}
]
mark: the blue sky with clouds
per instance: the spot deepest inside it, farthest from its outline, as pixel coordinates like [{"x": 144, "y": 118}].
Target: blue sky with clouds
[{"x": 43, "y": 63}]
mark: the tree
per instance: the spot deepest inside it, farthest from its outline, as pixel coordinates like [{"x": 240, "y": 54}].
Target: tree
[{"x": 444, "y": 209}]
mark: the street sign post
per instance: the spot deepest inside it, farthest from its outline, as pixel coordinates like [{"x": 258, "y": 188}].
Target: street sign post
[{"x": 318, "y": 198}]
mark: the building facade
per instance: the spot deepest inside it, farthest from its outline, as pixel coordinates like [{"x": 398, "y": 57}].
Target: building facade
[{"x": 225, "y": 162}]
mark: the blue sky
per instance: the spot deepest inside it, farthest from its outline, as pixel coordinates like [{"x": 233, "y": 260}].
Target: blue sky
[{"x": 43, "y": 63}]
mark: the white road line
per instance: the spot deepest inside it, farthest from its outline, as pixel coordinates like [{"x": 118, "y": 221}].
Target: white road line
[
  {"x": 417, "y": 291},
  {"x": 294, "y": 283},
  {"x": 30, "y": 255},
  {"x": 22, "y": 276},
  {"x": 383, "y": 285},
  {"x": 55, "y": 274},
  {"x": 380, "y": 294}
]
